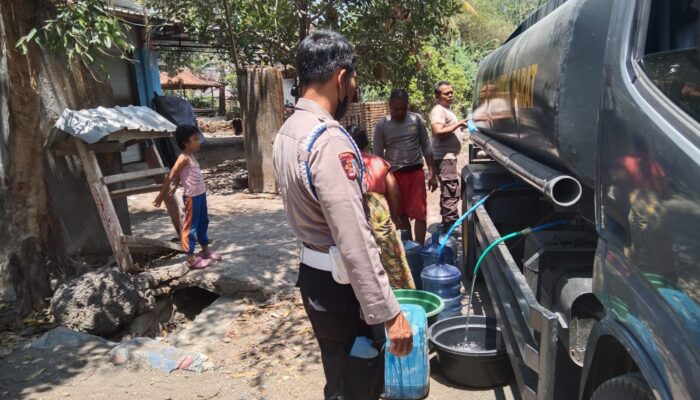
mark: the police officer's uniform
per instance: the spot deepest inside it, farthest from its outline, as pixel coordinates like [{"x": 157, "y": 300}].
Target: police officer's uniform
[{"x": 329, "y": 214}]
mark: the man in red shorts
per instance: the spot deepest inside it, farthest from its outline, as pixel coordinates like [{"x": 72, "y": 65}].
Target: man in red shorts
[{"x": 402, "y": 139}]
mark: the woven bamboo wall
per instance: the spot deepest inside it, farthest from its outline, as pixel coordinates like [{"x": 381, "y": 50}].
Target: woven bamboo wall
[{"x": 366, "y": 115}]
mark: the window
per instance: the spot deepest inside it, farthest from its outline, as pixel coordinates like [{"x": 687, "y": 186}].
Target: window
[{"x": 672, "y": 56}]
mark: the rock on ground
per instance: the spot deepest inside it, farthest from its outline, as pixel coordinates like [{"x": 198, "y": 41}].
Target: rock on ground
[{"x": 98, "y": 302}]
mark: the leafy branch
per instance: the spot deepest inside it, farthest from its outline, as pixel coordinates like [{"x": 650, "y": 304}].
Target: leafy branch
[{"x": 83, "y": 30}]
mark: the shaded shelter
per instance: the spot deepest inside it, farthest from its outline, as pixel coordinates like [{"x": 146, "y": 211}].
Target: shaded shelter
[
  {"x": 185, "y": 79},
  {"x": 110, "y": 130}
]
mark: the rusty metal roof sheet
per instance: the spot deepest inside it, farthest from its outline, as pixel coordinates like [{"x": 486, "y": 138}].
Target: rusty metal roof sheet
[
  {"x": 186, "y": 79},
  {"x": 94, "y": 124}
]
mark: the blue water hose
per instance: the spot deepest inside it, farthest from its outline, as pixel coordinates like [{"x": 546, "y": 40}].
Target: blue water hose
[
  {"x": 468, "y": 213},
  {"x": 516, "y": 234}
]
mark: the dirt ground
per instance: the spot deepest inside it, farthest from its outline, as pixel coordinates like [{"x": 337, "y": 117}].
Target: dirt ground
[{"x": 267, "y": 351}]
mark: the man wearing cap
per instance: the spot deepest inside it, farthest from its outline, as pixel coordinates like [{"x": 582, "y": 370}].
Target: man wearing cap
[{"x": 319, "y": 174}]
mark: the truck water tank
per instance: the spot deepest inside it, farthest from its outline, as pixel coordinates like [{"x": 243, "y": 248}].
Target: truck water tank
[
  {"x": 430, "y": 252},
  {"x": 409, "y": 377},
  {"x": 444, "y": 280},
  {"x": 530, "y": 95},
  {"x": 415, "y": 261}
]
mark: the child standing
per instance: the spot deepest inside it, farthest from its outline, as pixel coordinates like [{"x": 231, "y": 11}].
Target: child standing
[{"x": 186, "y": 171}]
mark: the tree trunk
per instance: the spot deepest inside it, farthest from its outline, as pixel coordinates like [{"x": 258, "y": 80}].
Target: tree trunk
[
  {"x": 37, "y": 88},
  {"x": 262, "y": 108},
  {"x": 222, "y": 97},
  {"x": 25, "y": 192},
  {"x": 222, "y": 91},
  {"x": 304, "y": 21}
]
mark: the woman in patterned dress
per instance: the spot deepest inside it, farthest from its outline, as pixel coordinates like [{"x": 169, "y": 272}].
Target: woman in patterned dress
[{"x": 382, "y": 201}]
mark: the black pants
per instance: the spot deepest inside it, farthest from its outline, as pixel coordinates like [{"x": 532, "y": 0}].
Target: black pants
[{"x": 336, "y": 320}]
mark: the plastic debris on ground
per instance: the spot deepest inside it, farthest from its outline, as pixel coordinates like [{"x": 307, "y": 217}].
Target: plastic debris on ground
[
  {"x": 157, "y": 355},
  {"x": 64, "y": 338}
]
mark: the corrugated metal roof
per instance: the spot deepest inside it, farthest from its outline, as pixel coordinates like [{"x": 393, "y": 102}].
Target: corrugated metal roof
[
  {"x": 94, "y": 124},
  {"x": 131, "y": 4},
  {"x": 129, "y": 7}
]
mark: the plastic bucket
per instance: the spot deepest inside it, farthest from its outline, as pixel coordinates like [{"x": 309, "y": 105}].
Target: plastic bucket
[
  {"x": 431, "y": 303},
  {"x": 483, "y": 364}
]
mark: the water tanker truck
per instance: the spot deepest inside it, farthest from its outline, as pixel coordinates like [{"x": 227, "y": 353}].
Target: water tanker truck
[{"x": 592, "y": 107}]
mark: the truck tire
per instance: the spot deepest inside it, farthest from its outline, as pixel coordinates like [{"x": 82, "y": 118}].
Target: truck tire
[{"x": 625, "y": 387}]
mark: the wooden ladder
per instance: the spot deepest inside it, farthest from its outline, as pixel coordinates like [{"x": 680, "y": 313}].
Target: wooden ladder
[{"x": 103, "y": 196}]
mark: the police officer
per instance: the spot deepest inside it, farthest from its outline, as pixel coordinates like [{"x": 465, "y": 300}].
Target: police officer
[{"x": 319, "y": 175}]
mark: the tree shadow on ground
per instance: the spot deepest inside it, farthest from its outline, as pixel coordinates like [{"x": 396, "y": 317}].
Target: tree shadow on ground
[
  {"x": 284, "y": 341},
  {"x": 100, "y": 301},
  {"x": 28, "y": 373}
]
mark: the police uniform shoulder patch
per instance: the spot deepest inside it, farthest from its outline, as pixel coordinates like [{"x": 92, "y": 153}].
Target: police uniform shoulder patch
[{"x": 349, "y": 164}]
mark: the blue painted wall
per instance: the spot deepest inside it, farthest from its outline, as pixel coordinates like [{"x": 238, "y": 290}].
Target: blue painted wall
[{"x": 147, "y": 75}]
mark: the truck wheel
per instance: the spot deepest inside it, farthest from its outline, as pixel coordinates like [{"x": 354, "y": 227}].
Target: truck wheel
[{"x": 625, "y": 387}]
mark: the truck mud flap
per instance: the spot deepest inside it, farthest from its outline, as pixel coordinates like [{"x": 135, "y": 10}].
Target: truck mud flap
[{"x": 529, "y": 330}]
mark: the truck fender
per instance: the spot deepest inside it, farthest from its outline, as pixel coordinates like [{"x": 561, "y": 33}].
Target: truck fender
[{"x": 613, "y": 351}]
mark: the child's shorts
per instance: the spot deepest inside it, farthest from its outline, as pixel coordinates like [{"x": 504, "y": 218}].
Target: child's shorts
[{"x": 196, "y": 222}]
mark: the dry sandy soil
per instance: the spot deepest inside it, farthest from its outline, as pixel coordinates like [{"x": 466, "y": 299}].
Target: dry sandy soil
[{"x": 265, "y": 352}]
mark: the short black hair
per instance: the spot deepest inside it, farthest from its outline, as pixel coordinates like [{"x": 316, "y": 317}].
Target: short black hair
[
  {"x": 359, "y": 135},
  {"x": 321, "y": 53},
  {"x": 439, "y": 85},
  {"x": 398, "y": 94},
  {"x": 183, "y": 133}
]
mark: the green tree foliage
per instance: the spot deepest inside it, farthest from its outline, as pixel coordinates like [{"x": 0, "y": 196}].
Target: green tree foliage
[
  {"x": 389, "y": 34},
  {"x": 454, "y": 63},
  {"x": 480, "y": 27},
  {"x": 390, "y": 37},
  {"x": 83, "y": 30},
  {"x": 482, "y": 24},
  {"x": 515, "y": 11},
  {"x": 257, "y": 32}
]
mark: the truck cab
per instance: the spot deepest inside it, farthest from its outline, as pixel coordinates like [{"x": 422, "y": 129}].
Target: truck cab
[{"x": 607, "y": 92}]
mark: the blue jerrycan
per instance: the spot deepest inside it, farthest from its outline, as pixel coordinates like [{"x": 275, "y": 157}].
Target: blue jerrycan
[{"x": 409, "y": 377}]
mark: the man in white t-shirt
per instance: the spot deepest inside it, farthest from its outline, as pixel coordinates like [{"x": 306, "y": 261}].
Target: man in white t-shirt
[{"x": 447, "y": 144}]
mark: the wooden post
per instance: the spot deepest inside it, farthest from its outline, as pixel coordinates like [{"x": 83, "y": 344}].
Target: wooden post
[
  {"x": 222, "y": 99},
  {"x": 262, "y": 106},
  {"x": 172, "y": 204},
  {"x": 104, "y": 204}
]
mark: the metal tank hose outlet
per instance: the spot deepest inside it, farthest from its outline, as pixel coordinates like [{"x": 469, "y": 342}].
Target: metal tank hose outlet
[{"x": 564, "y": 190}]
